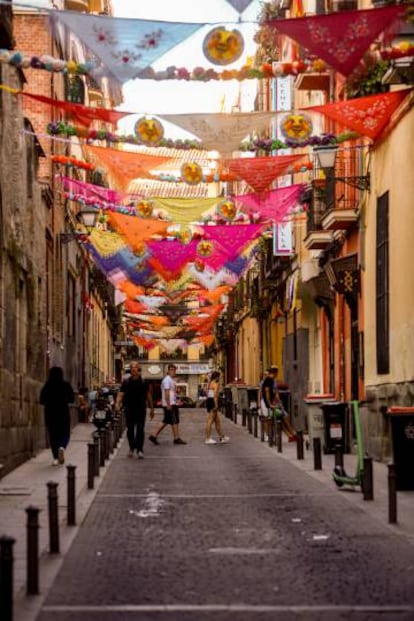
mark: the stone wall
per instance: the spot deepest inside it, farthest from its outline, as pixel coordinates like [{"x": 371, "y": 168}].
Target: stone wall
[{"x": 375, "y": 424}]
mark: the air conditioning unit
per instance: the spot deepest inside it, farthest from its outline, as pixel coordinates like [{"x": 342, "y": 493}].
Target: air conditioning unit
[{"x": 309, "y": 269}]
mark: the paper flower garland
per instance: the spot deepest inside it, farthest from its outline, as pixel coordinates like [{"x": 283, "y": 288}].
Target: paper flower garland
[
  {"x": 145, "y": 208},
  {"x": 71, "y": 162},
  {"x": 149, "y": 131},
  {"x": 223, "y": 47},
  {"x": 191, "y": 173},
  {"x": 296, "y": 127},
  {"x": 227, "y": 210}
]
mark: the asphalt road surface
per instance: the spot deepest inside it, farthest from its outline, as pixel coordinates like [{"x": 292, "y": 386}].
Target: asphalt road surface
[{"x": 227, "y": 533}]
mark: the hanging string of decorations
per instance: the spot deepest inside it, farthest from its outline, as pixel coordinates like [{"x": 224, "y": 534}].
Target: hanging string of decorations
[
  {"x": 71, "y": 162},
  {"x": 197, "y": 74},
  {"x": 259, "y": 144}
]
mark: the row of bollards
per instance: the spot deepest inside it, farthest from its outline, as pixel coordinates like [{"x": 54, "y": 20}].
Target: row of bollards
[
  {"x": 273, "y": 429},
  {"x": 104, "y": 443}
]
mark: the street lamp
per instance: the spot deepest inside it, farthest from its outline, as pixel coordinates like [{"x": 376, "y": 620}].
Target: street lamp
[
  {"x": 88, "y": 216},
  {"x": 326, "y": 155}
]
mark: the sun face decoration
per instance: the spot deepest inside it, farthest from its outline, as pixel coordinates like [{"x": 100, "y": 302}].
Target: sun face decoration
[
  {"x": 140, "y": 249},
  {"x": 191, "y": 173},
  {"x": 227, "y": 210},
  {"x": 223, "y": 47},
  {"x": 296, "y": 127},
  {"x": 145, "y": 208},
  {"x": 149, "y": 131},
  {"x": 205, "y": 248},
  {"x": 199, "y": 265}
]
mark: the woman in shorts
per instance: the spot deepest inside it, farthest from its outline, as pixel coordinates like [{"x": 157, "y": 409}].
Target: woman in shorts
[{"x": 213, "y": 415}]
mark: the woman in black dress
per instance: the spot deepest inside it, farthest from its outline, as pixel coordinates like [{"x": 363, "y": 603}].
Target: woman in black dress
[{"x": 55, "y": 396}]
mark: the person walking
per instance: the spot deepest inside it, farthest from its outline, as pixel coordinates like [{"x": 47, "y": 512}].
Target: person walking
[
  {"x": 134, "y": 395},
  {"x": 213, "y": 415},
  {"x": 55, "y": 396},
  {"x": 277, "y": 402},
  {"x": 169, "y": 405}
]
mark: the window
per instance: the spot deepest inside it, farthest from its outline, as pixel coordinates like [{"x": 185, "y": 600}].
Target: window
[{"x": 382, "y": 286}]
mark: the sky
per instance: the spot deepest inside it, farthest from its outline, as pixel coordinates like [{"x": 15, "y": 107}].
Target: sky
[{"x": 173, "y": 96}]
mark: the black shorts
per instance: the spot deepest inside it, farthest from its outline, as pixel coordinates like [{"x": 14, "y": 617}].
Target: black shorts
[
  {"x": 210, "y": 404},
  {"x": 171, "y": 416}
]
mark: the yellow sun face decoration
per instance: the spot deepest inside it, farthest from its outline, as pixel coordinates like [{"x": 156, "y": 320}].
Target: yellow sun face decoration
[
  {"x": 191, "y": 173},
  {"x": 205, "y": 248},
  {"x": 223, "y": 47},
  {"x": 145, "y": 208},
  {"x": 227, "y": 209},
  {"x": 296, "y": 127},
  {"x": 149, "y": 131}
]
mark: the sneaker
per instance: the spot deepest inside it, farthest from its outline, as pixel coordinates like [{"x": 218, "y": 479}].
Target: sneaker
[
  {"x": 55, "y": 462},
  {"x": 130, "y": 454},
  {"x": 224, "y": 439},
  {"x": 153, "y": 439},
  {"x": 61, "y": 455},
  {"x": 179, "y": 441},
  {"x": 140, "y": 455},
  {"x": 210, "y": 441}
]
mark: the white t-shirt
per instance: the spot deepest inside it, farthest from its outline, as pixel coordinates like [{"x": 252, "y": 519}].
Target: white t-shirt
[{"x": 168, "y": 384}]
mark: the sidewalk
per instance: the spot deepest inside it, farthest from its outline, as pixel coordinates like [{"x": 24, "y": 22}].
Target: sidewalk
[{"x": 27, "y": 486}]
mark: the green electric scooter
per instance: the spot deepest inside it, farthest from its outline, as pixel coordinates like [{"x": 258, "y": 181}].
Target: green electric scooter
[{"x": 339, "y": 475}]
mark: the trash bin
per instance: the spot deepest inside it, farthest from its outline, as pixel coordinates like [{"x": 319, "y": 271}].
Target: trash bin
[
  {"x": 402, "y": 431},
  {"x": 336, "y": 423},
  {"x": 315, "y": 422}
]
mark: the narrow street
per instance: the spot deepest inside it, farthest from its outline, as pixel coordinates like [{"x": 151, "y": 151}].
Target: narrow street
[{"x": 227, "y": 532}]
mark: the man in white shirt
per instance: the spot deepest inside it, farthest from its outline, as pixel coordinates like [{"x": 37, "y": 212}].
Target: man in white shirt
[{"x": 169, "y": 405}]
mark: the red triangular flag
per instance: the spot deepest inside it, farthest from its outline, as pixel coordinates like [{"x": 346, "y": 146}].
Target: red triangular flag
[
  {"x": 366, "y": 115},
  {"x": 259, "y": 172},
  {"x": 340, "y": 39}
]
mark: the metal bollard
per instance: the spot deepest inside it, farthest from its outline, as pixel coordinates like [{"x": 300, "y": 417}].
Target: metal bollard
[
  {"x": 71, "y": 491},
  {"x": 255, "y": 417},
  {"x": 101, "y": 448},
  {"x": 271, "y": 431},
  {"x": 52, "y": 497},
  {"x": 317, "y": 454},
  {"x": 111, "y": 440},
  {"x": 299, "y": 444},
  {"x": 106, "y": 443},
  {"x": 279, "y": 436},
  {"x": 249, "y": 421},
  {"x": 244, "y": 417},
  {"x": 262, "y": 429},
  {"x": 339, "y": 456},
  {"x": 235, "y": 413},
  {"x": 368, "y": 480},
  {"x": 91, "y": 464},
  {"x": 392, "y": 494},
  {"x": 6, "y": 577},
  {"x": 97, "y": 456},
  {"x": 32, "y": 553}
]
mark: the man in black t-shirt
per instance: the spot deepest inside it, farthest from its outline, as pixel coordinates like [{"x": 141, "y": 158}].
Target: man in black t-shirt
[{"x": 134, "y": 395}]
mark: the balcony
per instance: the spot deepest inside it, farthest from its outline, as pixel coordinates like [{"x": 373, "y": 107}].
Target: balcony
[
  {"x": 339, "y": 219},
  {"x": 77, "y": 5},
  {"x": 318, "y": 240},
  {"x": 94, "y": 89},
  {"x": 313, "y": 82}
]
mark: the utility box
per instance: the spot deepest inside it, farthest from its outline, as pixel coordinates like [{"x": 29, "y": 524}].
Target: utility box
[
  {"x": 402, "y": 430},
  {"x": 336, "y": 424},
  {"x": 315, "y": 419}
]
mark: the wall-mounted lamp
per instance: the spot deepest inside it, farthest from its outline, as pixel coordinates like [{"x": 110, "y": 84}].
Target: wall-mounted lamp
[
  {"x": 88, "y": 216},
  {"x": 327, "y": 158}
]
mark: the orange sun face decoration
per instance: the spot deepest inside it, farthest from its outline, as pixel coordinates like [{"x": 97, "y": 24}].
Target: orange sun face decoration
[
  {"x": 199, "y": 265},
  {"x": 205, "y": 248},
  {"x": 149, "y": 131},
  {"x": 227, "y": 209},
  {"x": 223, "y": 47},
  {"x": 191, "y": 173},
  {"x": 145, "y": 208},
  {"x": 296, "y": 127},
  {"x": 140, "y": 249}
]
